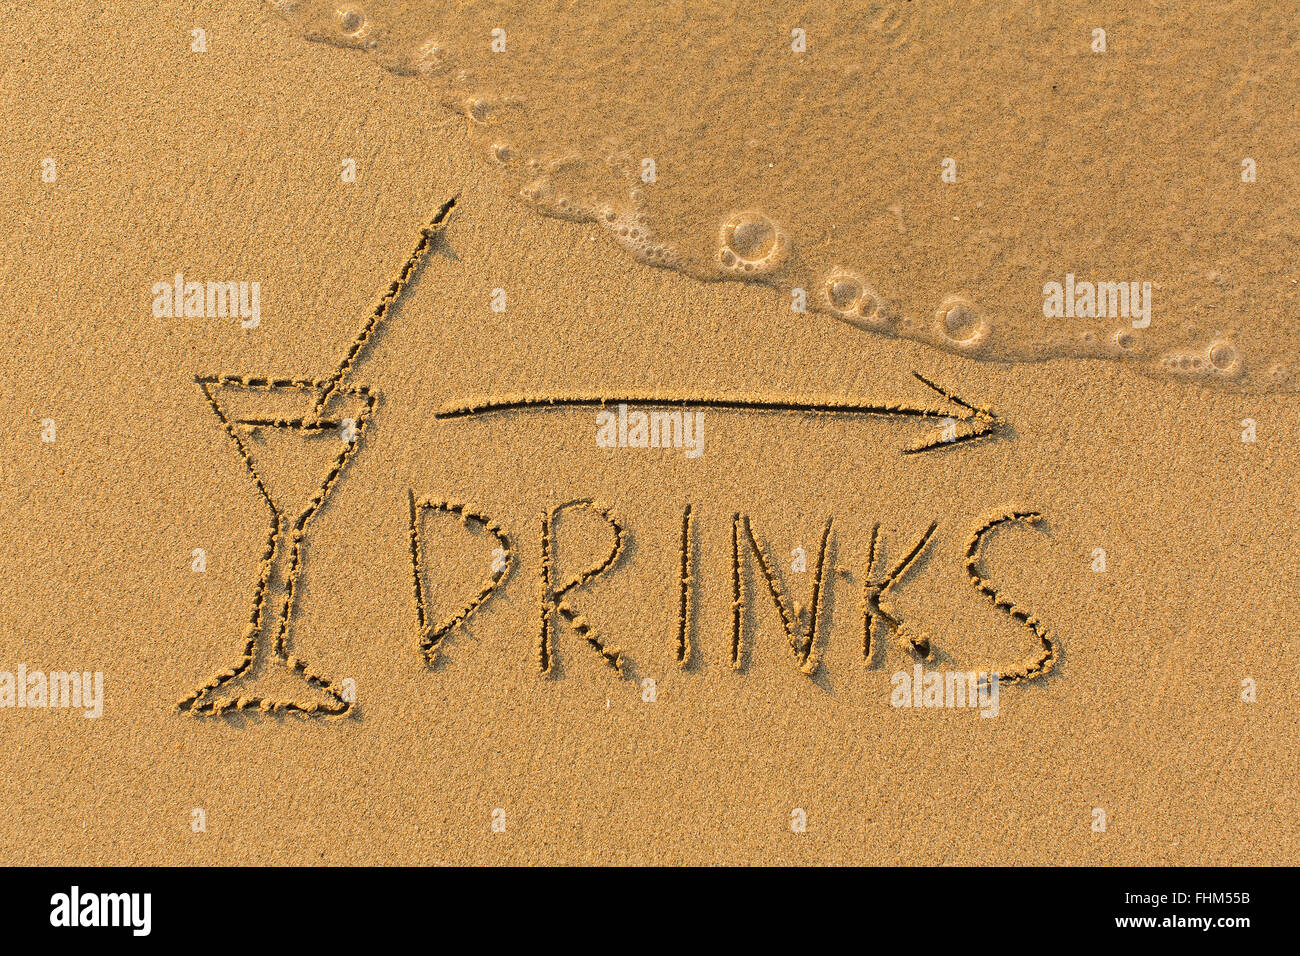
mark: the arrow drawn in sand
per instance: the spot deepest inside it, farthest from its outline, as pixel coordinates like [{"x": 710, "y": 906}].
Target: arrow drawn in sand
[{"x": 975, "y": 421}]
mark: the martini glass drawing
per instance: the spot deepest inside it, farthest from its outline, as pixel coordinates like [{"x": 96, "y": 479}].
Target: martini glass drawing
[
  {"x": 294, "y": 460},
  {"x": 295, "y": 438}
]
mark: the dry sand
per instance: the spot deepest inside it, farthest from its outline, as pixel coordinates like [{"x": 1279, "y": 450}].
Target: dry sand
[{"x": 226, "y": 165}]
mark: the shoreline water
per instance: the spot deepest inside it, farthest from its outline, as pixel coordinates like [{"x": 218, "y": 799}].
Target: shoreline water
[{"x": 945, "y": 234}]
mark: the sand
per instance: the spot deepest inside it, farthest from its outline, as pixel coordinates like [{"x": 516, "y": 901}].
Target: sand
[{"x": 1146, "y": 712}]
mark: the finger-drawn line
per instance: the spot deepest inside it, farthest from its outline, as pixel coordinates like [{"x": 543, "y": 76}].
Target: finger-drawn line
[
  {"x": 416, "y": 563},
  {"x": 554, "y": 599},
  {"x": 430, "y": 234},
  {"x": 801, "y": 644},
  {"x": 544, "y": 637},
  {"x": 430, "y": 636},
  {"x": 1049, "y": 653},
  {"x": 778, "y": 595},
  {"x": 876, "y": 618},
  {"x": 981, "y": 422},
  {"x": 683, "y": 646},
  {"x": 870, "y": 613},
  {"x": 737, "y": 596},
  {"x": 809, "y": 660}
]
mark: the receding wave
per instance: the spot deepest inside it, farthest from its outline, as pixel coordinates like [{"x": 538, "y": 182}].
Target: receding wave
[{"x": 1012, "y": 182}]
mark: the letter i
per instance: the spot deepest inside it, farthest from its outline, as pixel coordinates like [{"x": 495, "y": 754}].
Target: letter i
[
  {"x": 547, "y": 623},
  {"x": 684, "y": 606},
  {"x": 737, "y": 595}
]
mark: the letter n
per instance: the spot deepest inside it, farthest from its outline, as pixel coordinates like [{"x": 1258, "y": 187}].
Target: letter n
[{"x": 802, "y": 641}]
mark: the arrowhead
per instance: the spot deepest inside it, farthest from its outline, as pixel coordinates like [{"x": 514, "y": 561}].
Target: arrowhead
[{"x": 972, "y": 422}]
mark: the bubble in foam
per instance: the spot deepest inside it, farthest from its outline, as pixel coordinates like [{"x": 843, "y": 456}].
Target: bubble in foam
[
  {"x": 629, "y": 229},
  {"x": 1223, "y": 357},
  {"x": 843, "y": 291},
  {"x": 852, "y": 300},
  {"x": 751, "y": 242},
  {"x": 1184, "y": 363},
  {"x": 960, "y": 323},
  {"x": 351, "y": 21},
  {"x": 750, "y": 236},
  {"x": 478, "y": 109}
]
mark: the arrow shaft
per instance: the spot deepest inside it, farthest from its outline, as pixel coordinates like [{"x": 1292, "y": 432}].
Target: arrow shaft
[{"x": 532, "y": 402}]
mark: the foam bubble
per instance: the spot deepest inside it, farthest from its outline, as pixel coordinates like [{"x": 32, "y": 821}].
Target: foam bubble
[
  {"x": 851, "y": 299},
  {"x": 1223, "y": 357},
  {"x": 752, "y": 243},
  {"x": 629, "y": 230},
  {"x": 351, "y": 21},
  {"x": 843, "y": 292},
  {"x": 960, "y": 323},
  {"x": 751, "y": 237}
]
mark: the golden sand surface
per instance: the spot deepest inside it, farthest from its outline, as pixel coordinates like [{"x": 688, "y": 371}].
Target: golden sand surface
[{"x": 512, "y": 657}]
